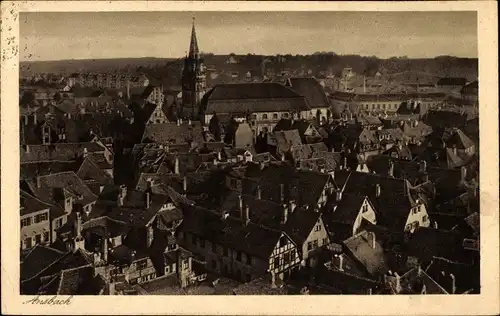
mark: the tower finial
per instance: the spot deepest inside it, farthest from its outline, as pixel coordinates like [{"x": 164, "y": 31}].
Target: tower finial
[{"x": 193, "y": 47}]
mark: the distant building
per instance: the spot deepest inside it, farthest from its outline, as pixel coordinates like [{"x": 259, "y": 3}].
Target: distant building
[
  {"x": 262, "y": 105},
  {"x": 193, "y": 80}
]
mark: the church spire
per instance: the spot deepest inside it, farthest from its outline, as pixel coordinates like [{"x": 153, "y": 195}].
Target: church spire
[{"x": 193, "y": 47}]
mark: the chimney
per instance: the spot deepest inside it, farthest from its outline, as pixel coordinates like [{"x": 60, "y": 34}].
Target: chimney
[
  {"x": 435, "y": 225},
  {"x": 284, "y": 216},
  {"x": 391, "y": 169},
  {"x": 372, "y": 240},
  {"x": 463, "y": 173},
  {"x": 128, "y": 89},
  {"x": 148, "y": 199},
  {"x": 338, "y": 196},
  {"x": 455, "y": 149},
  {"x": 176, "y": 165},
  {"x": 240, "y": 201},
  {"x": 178, "y": 122},
  {"x": 398, "y": 282},
  {"x": 247, "y": 215},
  {"x": 341, "y": 262},
  {"x": 105, "y": 249},
  {"x": 219, "y": 156},
  {"x": 282, "y": 157},
  {"x": 259, "y": 193},
  {"x": 27, "y": 149},
  {"x": 345, "y": 163},
  {"x": 26, "y": 119},
  {"x": 377, "y": 190},
  {"x": 85, "y": 152},
  {"x": 122, "y": 194},
  {"x": 185, "y": 185},
  {"x": 423, "y": 166},
  {"x": 293, "y": 205},
  {"x": 79, "y": 240},
  {"x": 282, "y": 193},
  {"x": 453, "y": 284}
]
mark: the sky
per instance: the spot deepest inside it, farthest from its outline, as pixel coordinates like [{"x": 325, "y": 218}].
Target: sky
[{"x": 84, "y": 35}]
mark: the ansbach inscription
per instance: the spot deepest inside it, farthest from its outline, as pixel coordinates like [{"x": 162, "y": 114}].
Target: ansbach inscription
[{"x": 54, "y": 300}]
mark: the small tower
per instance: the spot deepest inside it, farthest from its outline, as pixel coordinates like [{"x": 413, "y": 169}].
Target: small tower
[{"x": 193, "y": 80}]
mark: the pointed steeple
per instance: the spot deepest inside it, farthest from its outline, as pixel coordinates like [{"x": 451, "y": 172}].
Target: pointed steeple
[{"x": 193, "y": 46}]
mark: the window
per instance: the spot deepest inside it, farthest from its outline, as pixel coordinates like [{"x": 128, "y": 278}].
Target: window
[
  {"x": 285, "y": 115},
  {"x": 276, "y": 262},
  {"x": 25, "y": 222},
  {"x": 425, "y": 218},
  {"x": 41, "y": 217},
  {"x": 275, "y": 116},
  {"x": 286, "y": 259},
  {"x": 46, "y": 237},
  {"x": 27, "y": 242},
  {"x": 238, "y": 256},
  {"x": 142, "y": 264},
  {"x": 202, "y": 243},
  {"x": 292, "y": 254},
  {"x": 264, "y": 116},
  {"x": 254, "y": 117},
  {"x": 325, "y": 241},
  {"x": 38, "y": 239},
  {"x": 317, "y": 228},
  {"x": 309, "y": 246},
  {"x": 315, "y": 244},
  {"x": 249, "y": 259},
  {"x": 365, "y": 208},
  {"x": 185, "y": 264},
  {"x": 283, "y": 241}
]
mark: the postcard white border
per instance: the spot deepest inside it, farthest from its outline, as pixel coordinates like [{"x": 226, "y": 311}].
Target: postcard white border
[{"x": 485, "y": 303}]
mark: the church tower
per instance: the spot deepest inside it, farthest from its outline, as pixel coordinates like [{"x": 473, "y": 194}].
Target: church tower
[{"x": 193, "y": 80}]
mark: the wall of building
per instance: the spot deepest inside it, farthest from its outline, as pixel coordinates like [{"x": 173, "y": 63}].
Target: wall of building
[
  {"x": 365, "y": 212},
  {"x": 278, "y": 263},
  {"x": 134, "y": 274},
  {"x": 319, "y": 237},
  {"x": 40, "y": 229},
  {"x": 417, "y": 215}
]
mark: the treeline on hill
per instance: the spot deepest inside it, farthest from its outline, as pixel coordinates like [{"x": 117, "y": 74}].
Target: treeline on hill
[{"x": 161, "y": 68}]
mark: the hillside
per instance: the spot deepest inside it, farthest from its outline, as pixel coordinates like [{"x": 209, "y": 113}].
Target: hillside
[{"x": 317, "y": 64}]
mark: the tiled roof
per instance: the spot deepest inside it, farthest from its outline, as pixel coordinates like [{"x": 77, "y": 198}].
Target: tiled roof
[
  {"x": 372, "y": 258},
  {"x": 253, "y": 239},
  {"x": 347, "y": 209},
  {"x": 460, "y": 140},
  {"x": 311, "y": 90},
  {"x": 30, "y": 204},
  {"x": 401, "y": 168},
  {"x": 105, "y": 227},
  {"x": 69, "y": 260},
  {"x": 252, "y": 97},
  {"x": 259, "y": 286},
  {"x": 252, "y": 91},
  {"x": 287, "y": 139},
  {"x": 90, "y": 170},
  {"x": 172, "y": 133},
  {"x": 57, "y": 152},
  {"x": 76, "y": 281},
  {"x": 450, "y": 81},
  {"x": 426, "y": 243},
  {"x": 395, "y": 200},
  {"x": 38, "y": 259},
  {"x": 64, "y": 180}
]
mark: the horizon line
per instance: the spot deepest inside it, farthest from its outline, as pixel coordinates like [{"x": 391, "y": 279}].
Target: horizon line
[{"x": 252, "y": 54}]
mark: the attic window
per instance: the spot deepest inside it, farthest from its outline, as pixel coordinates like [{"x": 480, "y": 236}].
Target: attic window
[{"x": 283, "y": 241}]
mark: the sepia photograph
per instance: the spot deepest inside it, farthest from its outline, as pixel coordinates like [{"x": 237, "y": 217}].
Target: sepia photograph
[{"x": 212, "y": 152}]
